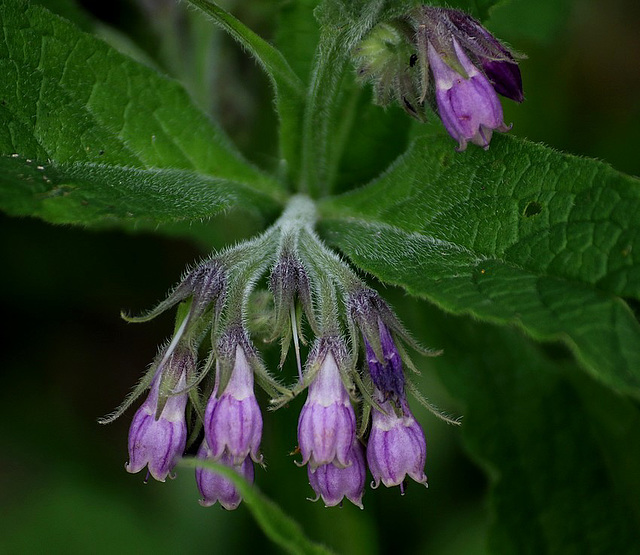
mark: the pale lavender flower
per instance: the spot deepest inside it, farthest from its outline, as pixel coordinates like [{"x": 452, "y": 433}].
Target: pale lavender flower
[
  {"x": 216, "y": 488},
  {"x": 333, "y": 483},
  {"x": 469, "y": 107},
  {"x": 232, "y": 422},
  {"x": 396, "y": 447},
  {"x": 158, "y": 434},
  {"x": 327, "y": 424}
]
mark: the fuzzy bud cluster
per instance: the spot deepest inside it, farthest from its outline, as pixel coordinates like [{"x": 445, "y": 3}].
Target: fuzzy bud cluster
[{"x": 356, "y": 414}]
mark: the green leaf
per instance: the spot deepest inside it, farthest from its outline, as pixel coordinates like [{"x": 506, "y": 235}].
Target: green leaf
[
  {"x": 277, "y": 526},
  {"x": 288, "y": 88},
  {"x": 517, "y": 235},
  {"x": 560, "y": 449},
  {"x": 82, "y": 124}
]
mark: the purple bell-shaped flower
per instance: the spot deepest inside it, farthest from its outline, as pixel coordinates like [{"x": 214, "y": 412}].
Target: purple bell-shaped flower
[
  {"x": 158, "y": 432},
  {"x": 327, "y": 424}
]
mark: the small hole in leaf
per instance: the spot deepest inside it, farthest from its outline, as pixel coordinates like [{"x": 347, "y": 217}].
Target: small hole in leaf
[{"x": 531, "y": 209}]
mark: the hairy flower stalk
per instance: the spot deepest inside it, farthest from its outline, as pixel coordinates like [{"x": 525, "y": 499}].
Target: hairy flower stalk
[{"x": 356, "y": 412}]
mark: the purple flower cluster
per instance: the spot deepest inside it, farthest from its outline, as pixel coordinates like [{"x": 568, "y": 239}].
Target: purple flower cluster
[
  {"x": 396, "y": 447},
  {"x": 232, "y": 425},
  {"x": 218, "y": 396}
]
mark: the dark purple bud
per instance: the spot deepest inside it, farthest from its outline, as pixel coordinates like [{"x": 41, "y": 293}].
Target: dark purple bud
[
  {"x": 327, "y": 424},
  {"x": 505, "y": 78},
  {"x": 396, "y": 447},
  {"x": 387, "y": 375},
  {"x": 216, "y": 488},
  {"x": 232, "y": 422},
  {"x": 469, "y": 107},
  {"x": 333, "y": 483},
  {"x": 158, "y": 432}
]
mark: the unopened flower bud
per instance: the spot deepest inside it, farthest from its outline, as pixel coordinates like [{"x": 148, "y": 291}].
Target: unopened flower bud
[
  {"x": 216, "y": 488},
  {"x": 386, "y": 374},
  {"x": 333, "y": 483}
]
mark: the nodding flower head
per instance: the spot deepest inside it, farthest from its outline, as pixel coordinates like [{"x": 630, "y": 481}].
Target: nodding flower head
[
  {"x": 327, "y": 424},
  {"x": 396, "y": 446},
  {"x": 442, "y": 25},
  {"x": 447, "y": 58},
  {"x": 216, "y": 488},
  {"x": 333, "y": 483},
  {"x": 158, "y": 432},
  {"x": 232, "y": 420},
  {"x": 470, "y": 67},
  {"x": 468, "y": 105},
  {"x": 215, "y": 314}
]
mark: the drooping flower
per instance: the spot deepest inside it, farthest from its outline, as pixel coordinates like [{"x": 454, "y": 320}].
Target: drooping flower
[
  {"x": 158, "y": 432},
  {"x": 470, "y": 67},
  {"x": 216, "y": 488},
  {"x": 333, "y": 483},
  {"x": 468, "y": 106},
  {"x": 327, "y": 424},
  {"x": 396, "y": 446},
  {"x": 232, "y": 421}
]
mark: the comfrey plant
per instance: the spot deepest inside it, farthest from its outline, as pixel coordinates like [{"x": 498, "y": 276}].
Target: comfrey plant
[
  {"x": 357, "y": 412},
  {"x": 310, "y": 285},
  {"x": 339, "y": 194}
]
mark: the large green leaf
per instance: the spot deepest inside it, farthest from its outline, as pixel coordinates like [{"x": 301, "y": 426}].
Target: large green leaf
[
  {"x": 90, "y": 128},
  {"x": 560, "y": 449},
  {"x": 519, "y": 234}
]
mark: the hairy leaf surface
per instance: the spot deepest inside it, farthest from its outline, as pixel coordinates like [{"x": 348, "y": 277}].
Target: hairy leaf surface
[
  {"x": 519, "y": 234},
  {"x": 81, "y": 123}
]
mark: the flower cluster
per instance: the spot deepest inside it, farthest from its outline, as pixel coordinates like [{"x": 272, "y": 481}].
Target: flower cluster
[
  {"x": 356, "y": 412},
  {"x": 448, "y": 58}
]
